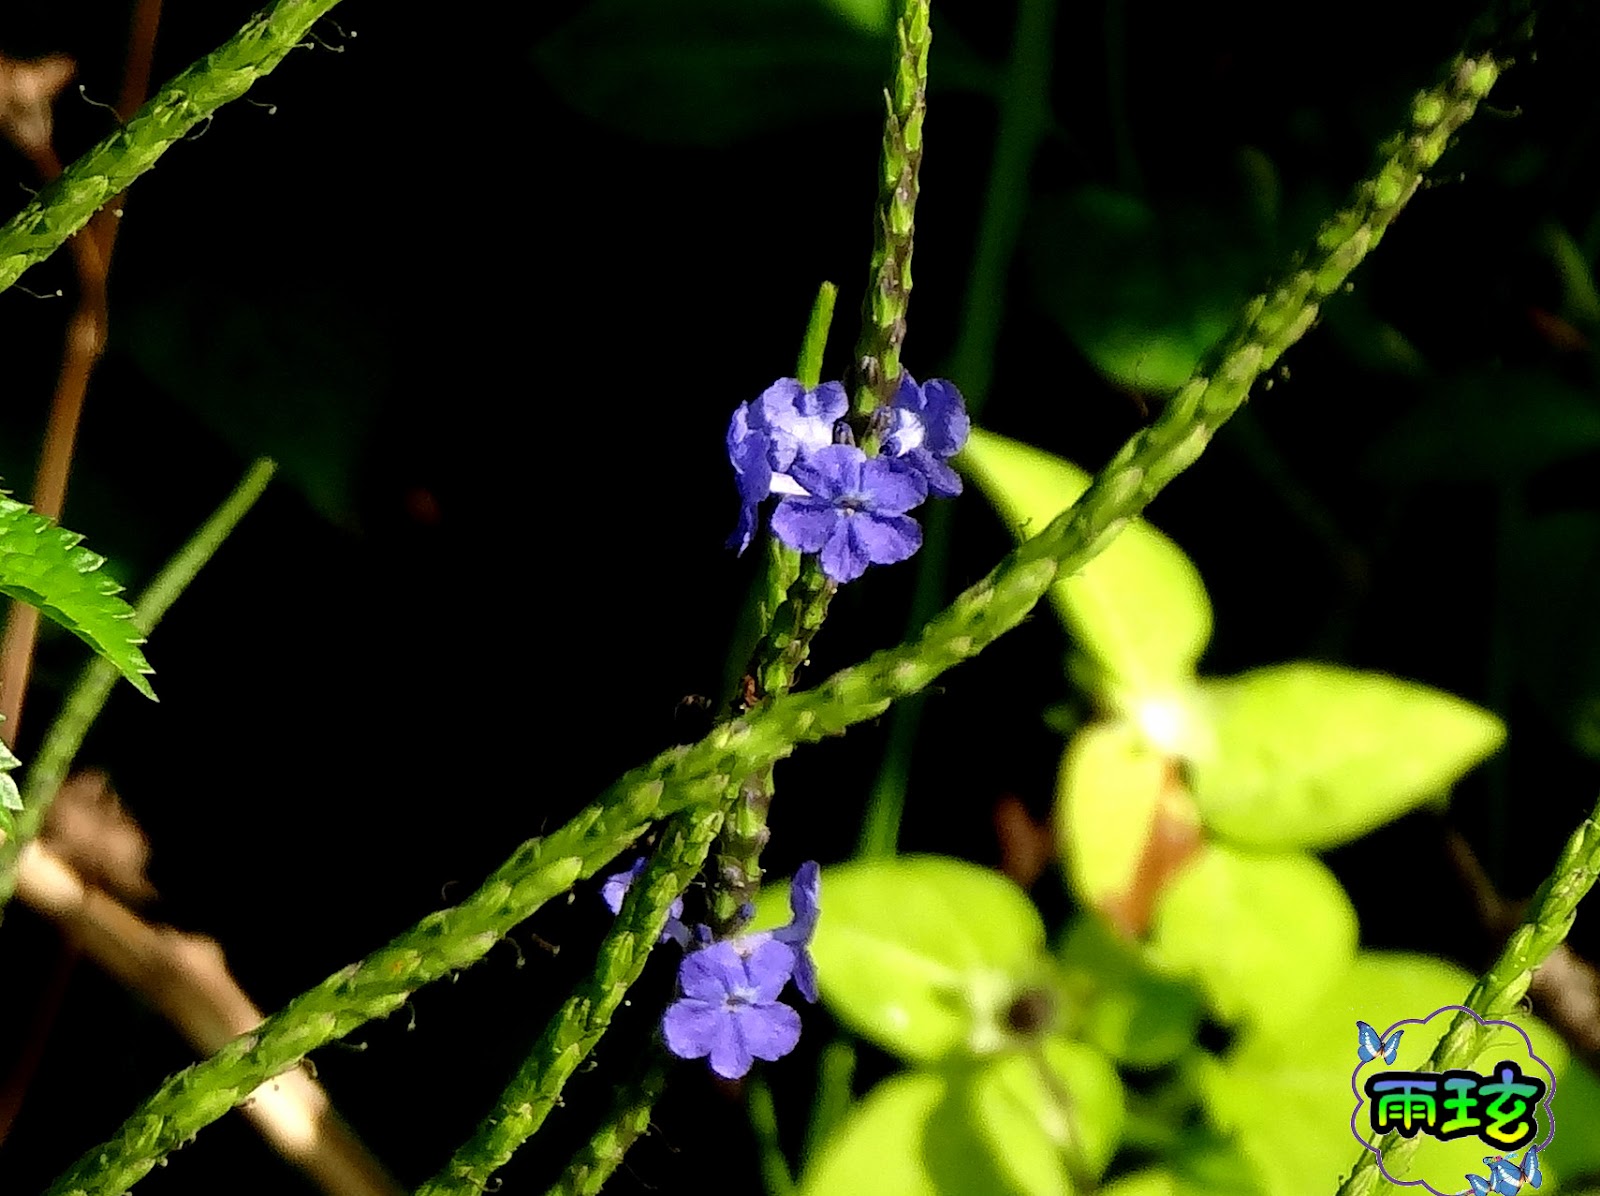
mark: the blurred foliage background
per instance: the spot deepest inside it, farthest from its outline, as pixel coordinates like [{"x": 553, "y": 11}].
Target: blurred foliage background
[{"x": 489, "y": 289}]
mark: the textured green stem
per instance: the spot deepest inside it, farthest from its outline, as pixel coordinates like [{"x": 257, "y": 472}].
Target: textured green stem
[
  {"x": 225, "y": 74},
  {"x": 627, "y": 1123},
  {"x": 794, "y": 602},
  {"x": 1499, "y": 993},
  {"x": 883, "y": 316},
  {"x": 579, "y": 1024},
  {"x": 698, "y": 775},
  {"x": 95, "y": 683},
  {"x": 783, "y": 562},
  {"x": 1024, "y": 119}
]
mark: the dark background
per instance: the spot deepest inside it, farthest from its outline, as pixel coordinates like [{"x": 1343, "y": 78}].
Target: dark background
[{"x": 489, "y": 291}]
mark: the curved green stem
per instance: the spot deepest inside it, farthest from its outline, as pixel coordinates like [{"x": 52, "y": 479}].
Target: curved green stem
[
  {"x": 579, "y": 1024},
  {"x": 107, "y": 169},
  {"x": 627, "y": 1123},
  {"x": 1499, "y": 993},
  {"x": 697, "y": 776}
]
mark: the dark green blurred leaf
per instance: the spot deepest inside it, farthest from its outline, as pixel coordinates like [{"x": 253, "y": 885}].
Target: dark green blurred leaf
[
  {"x": 1312, "y": 755},
  {"x": 708, "y": 72},
  {"x": 1555, "y": 567},
  {"x": 1494, "y": 426},
  {"x": 1119, "y": 1003},
  {"x": 298, "y": 379},
  {"x": 1142, "y": 294}
]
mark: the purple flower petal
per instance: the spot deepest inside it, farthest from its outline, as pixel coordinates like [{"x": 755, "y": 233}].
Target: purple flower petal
[
  {"x": 941, "y": 479},
  {"x": 730, "y": 1055},
  {"x": 745, "y": 530},
  {"x": 805, "y": 892},
  {"x": 945, "y": 415},
  {"x": 842, "y": 558},
  {"x": 805, "y": 976},
  {"x": 892, "y": 487},
  {"x": 692, "y": 1028},
  {"x": 769, "y": 1031},
  {"x": 768, "y": 968},
  {"x": 618, "y": 884},
  {"x": 804, "y": 524},
  {"x": 830, "y": 471},
  {"x": 885, "y": 539},
  {"x": 711, "y": 973}
]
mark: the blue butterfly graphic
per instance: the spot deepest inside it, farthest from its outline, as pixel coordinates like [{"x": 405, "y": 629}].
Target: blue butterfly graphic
[
  {"x": 1505, "y": 1177},
  {"x": 1508, "y": 1178},
  {"x": 1369, "y": 1046}
]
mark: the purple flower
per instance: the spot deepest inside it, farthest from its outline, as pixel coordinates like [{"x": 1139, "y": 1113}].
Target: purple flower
[
  {"x": 616, "y": 888},
  {"x": 853, "y": 511},
  {"x": 925, "y": 426},
  {"x": 730, "y": 1008},
  {"x": 804, "y": 908},
  {"x": 767, "y": 434}
]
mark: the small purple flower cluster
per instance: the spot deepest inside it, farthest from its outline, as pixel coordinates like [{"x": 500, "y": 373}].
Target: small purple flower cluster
[
  {"x": 835, "y": 501},
  {"x": 729, "y": 1009}
]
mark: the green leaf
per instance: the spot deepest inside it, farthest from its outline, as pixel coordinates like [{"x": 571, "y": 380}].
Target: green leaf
[
  {"x": 1143, "y": 296},
  {"x": 45, "y": 566},
  {"x": 1204, "y": 1165},
  {"x": 880, "y": 1148},
  {"x": 1489, "y": 426},
  {"x": 296, "y": 377},
  {"x": 1553, "y": 579},
  {"x": 1139, "y": 609},
  {"x": 1287, "y": 1095},
  {"x": 10, "y": 799},
  {"x": 1265, "y": 935},
  {"x": 925, "y": 955},
  {"x": 1006, "y": 1125},
  {"x": 1116, "y": 1001},
  {"x": 1310, "y": 755},
  {"x": 710, "y": 72},
  {"x": 1116, "y": 801}
]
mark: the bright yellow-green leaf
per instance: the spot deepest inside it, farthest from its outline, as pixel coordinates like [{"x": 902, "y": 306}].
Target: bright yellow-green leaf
[
  {"x": 1139, "y": 609},
  {"x": 879, "y": 1150},
  {"x": 1265, "y": 935},
  {"x": 1106, "y": 799},
  {"x": 1311, "y": 755},
  {"x": 925, "y": 955}
]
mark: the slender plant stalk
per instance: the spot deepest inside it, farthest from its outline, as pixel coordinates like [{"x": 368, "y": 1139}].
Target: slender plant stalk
[
  {"x": 1024, "y": 119},
  {"x": 698, "y": 775},
  {"x": 786, "y": 640},
  {"x": 793, "y": 604},
  {"x": 883, "y": 315},
  {"x": 579, "y": 1024},
  {"x": 627, "y": 1123},
  {"x": 763, "y": 1112},
  {"x": 1499, "y": 993},
  {"x": 84, "y": 703},
  {"x": 225, "y": 74}
]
